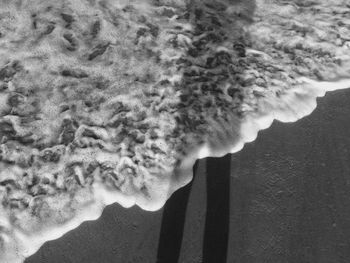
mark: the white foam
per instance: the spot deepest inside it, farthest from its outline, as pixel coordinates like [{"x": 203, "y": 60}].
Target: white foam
[
  {"x": 290, "y": 107},
  {"x": 228, "y": 137}
]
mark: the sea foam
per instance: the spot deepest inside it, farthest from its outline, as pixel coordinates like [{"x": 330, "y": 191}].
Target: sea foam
[
  {"x": 290, "y": 107},
  {"x": 291, "y": 93}
]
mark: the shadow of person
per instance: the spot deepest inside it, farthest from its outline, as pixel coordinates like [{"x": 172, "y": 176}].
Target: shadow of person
[
  {"x": 218, "y": 210},
  {"x": 173, "y": 222},
  {"x": 206, "y": 71},
  {"x": 217, "y": 215}
]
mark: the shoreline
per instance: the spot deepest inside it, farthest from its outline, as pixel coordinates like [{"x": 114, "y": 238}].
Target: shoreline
[{"x": 281, "y": 139}]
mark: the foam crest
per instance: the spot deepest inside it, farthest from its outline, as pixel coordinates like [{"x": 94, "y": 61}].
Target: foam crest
[{"x": 289, "y": 107}]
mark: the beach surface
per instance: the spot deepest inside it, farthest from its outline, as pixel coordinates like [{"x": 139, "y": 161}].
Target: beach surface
[
  {"x": 105, "y": 102},
  {"x": 289, "y": 201}
]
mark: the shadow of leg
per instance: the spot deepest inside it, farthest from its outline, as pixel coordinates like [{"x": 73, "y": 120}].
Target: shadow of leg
[
  {"x": 217, "y": 216},
  {"x": 173, "y": 223}
]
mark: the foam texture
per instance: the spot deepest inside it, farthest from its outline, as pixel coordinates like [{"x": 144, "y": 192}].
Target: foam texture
[{"x": 105, "y": 101}]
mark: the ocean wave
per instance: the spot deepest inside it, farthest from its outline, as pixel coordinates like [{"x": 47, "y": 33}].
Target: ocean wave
[{"x": 113, "y": 101}]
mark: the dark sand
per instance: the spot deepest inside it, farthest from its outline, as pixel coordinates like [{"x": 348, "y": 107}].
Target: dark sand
[{"x": 289, "y": 202}]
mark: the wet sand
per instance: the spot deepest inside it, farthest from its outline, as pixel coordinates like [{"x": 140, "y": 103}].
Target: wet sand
[{"x": 289, "y": 202}]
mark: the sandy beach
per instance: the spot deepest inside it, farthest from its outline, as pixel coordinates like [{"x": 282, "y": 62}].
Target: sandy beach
[
  {"x": 289, "y": 201},
  {"x": 110, "y": 103}
]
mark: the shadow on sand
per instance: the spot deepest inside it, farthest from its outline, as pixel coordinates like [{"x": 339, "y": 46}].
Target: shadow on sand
[{"x": 217, "y": 215}]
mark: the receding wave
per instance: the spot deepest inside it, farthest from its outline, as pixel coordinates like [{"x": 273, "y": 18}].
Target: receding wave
[{"x": 113, "y": 101}]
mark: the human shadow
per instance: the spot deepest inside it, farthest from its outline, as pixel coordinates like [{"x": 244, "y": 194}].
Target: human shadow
[
  {"x": 217, "y": 216},
  {"x": 173, "y": 222},
  {"x": 210, "y": 73},
  {"x": 218, "y": 210}
]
